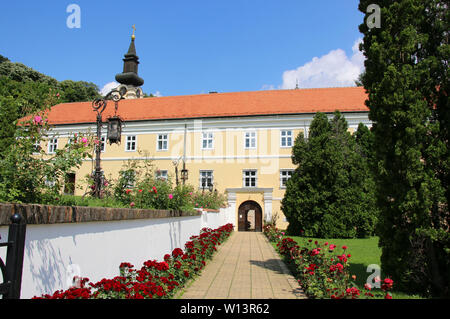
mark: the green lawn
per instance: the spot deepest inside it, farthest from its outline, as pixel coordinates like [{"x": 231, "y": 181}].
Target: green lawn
[{"x": 363, "y": 252}]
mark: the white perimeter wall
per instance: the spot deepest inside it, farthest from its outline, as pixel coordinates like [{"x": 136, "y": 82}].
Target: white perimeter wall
[{"x": 54, "y": 253}]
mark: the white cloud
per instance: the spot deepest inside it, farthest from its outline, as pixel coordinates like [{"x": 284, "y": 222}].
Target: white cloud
[
  {"x": 108, "y": 87},
  {"x": 157, "y": 94},
  {"x": 333, "y": 69}
]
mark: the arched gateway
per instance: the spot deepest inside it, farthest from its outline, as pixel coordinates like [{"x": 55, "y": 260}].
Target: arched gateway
[{"x": 250, "y": 216}]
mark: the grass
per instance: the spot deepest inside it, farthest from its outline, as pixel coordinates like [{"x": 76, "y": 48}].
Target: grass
[{"x": 364, "y": 252}]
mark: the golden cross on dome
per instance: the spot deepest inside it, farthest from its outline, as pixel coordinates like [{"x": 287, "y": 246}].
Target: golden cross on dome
[{"x": 134, "y": 29}]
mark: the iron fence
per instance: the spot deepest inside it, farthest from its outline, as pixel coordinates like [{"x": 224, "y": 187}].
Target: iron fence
[{"x": 12, "y": 269}]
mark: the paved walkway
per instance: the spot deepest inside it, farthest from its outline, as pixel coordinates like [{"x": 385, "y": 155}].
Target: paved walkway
[{"x": 246, "y": 266}]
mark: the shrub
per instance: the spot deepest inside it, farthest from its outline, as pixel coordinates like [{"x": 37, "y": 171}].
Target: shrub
[
  {"x": 330, "y": 193},
  {"x": 323, "y": 270},
  {"x": 212, "y": 200},
  {"x": 272, "y": 232},
  {"x": 27, "y": 173}
]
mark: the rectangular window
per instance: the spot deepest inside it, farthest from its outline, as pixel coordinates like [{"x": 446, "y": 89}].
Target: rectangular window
[
  {"x": 249, "y": 178},
  {"x": 127, "y": 178},
  {"x": 102, "y": 144},
  {"x": 285, "y": 174},
  {"x": 69, "y": 184},
  {"x": 286, "y": 138},
  {"x": 207, "y": 141},
  {"x": 162, "y": 142},
  {"x": 49, "y": 181},
  {"x": 161, "y": 174},
  {"x": 250, "y": 140},
  {"x": 206, "y": 179},
  {"x": 52, "y": 145},
  {"x": 131, "y": 143},
  {"x": 37, "y": 147}
]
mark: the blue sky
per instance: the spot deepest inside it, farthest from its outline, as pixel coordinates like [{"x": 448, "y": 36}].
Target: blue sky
[{"x": 190, "y": 47}]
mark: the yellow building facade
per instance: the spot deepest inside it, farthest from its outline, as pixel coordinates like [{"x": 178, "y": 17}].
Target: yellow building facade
[
  {"x": 239, "y": 142},
  {"x": 246, "y": 157}
]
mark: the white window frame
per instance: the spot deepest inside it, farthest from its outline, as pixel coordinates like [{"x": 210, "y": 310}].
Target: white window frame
[
  {"x": 129, "y": 140},
  {"x": 37, "y": 147},
  {"x": 247, "y": 173},
  {"x": 128, "y": 186},
  {"x": 52, "y": 145},
  {"x": 203, "y": 172},
  {"x": 286, "y": 137},
  {"x": 102, "y": 143},
  {"x": 285, "y": 170},
  {"x": 48, "y": 182},
  {"x": 250, "y": 136},
  {"x": 162, "y": 174},
  {"x": 207, "y": 137},
  {"x": 160, "y": 139}
]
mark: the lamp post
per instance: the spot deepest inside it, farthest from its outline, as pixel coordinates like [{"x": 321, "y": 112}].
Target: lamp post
[
  {"x": 175, "y": 164},
  {"x": 113, "y": 134}
]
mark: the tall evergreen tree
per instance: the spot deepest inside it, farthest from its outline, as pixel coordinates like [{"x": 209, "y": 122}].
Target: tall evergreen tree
[
  {"x": 406, "y": 78},
  {"x": 326, "y": 196}
]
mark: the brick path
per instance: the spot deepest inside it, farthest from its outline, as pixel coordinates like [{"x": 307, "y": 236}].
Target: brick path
[{"x": 246, "y": 266}]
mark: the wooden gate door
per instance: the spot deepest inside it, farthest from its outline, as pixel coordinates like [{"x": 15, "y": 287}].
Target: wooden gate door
[{"x": 244, "y": 224}]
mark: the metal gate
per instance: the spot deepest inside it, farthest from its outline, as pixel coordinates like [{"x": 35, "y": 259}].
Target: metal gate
[{"x": 12, "y": 270}]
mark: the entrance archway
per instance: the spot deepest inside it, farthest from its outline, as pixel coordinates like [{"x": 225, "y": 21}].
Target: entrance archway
[{"x": 249, "y": 216}]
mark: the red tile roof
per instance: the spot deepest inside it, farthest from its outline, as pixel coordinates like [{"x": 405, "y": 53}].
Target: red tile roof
[{"x": 344, "y": 99}]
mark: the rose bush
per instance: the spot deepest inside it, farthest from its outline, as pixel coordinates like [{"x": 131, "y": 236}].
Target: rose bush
[
  {"x": 272, "y": 233},
  {"x": 322, "y": 269},
  {"x": 155, "y": 279}
]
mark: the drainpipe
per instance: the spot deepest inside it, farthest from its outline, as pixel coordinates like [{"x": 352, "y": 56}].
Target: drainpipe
[{"x": 184, "y": 151}]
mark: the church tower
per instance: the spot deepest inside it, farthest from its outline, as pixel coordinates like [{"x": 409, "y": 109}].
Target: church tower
[{"x": 129, "y": 80}]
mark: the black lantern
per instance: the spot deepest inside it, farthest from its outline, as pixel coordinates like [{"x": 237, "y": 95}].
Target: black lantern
[
  {"x": 184, "y": 174},
  {"x": 114, "y": 129}
]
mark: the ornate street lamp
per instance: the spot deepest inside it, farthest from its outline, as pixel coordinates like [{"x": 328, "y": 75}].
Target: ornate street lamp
[{"x": 114, "y": 132}]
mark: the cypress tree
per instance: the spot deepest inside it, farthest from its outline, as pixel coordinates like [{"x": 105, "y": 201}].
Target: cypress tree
[
  {"x": 325, "y": 197},
  {"x": 406, "y": 78}
]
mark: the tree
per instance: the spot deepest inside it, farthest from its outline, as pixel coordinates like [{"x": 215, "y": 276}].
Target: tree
[
  {"x": 78, "y": 91},
  {"x": 22, "y": 73},
  {"x": 29, "y": 175},
  {"x": 406, "y": 78},
  {"x": 70, "y": 91},
  {"x": 24, "y": 91},
  {"x": 3, "y": 59},
  {"x": 327, "y": 195}
]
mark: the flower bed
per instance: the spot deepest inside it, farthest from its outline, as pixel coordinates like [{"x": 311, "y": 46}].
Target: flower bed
[
  {"x": 155, "y": 279},
  {"x": 322, "y": 269}
]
